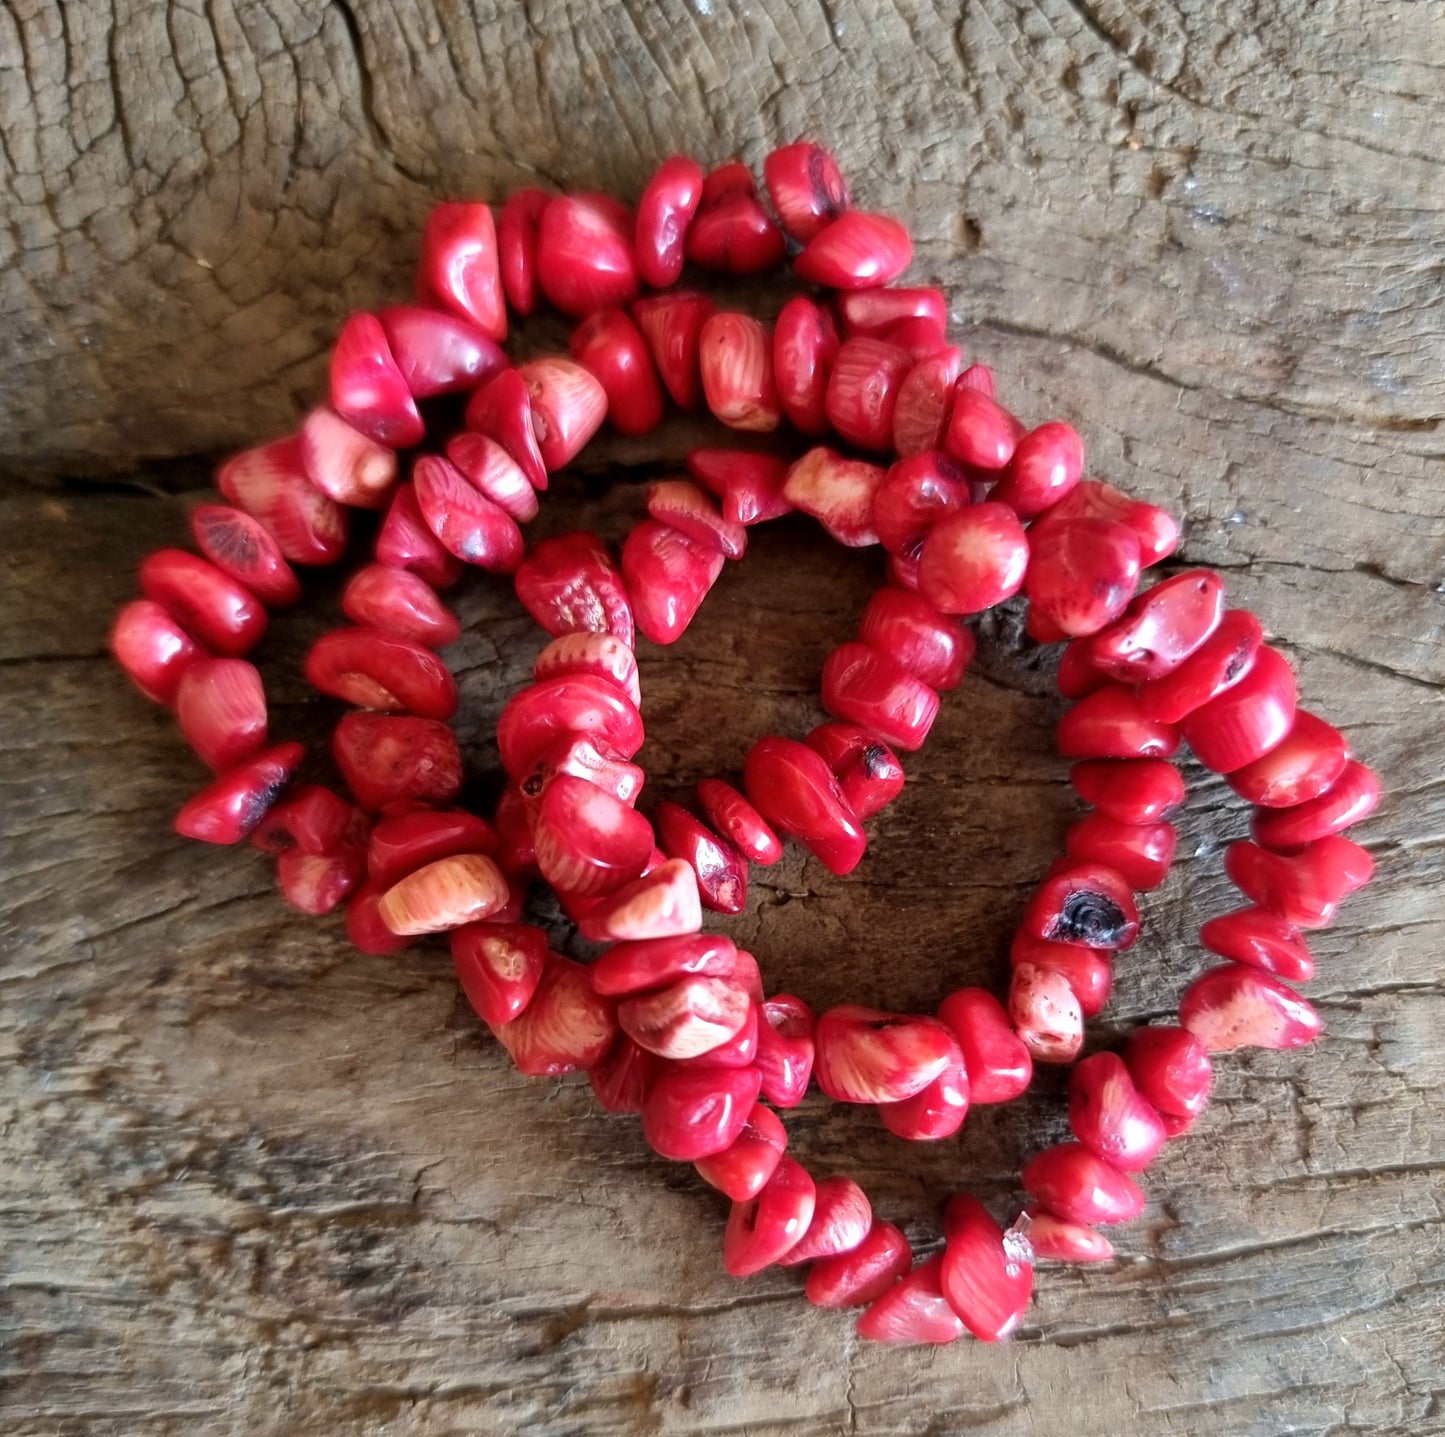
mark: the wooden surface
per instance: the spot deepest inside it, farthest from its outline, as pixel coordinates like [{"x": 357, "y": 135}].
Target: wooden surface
[{"x": 254, "y": 1183}]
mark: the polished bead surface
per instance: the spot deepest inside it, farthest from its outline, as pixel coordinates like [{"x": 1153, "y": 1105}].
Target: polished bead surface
[
  {"x": 663, "y": 215},
  {"x": 795, "y": 791},
  {"x": 764, "y": 1228},
  {"x": 866, "y": 687},
  {"x": 998, "y": 1064},
  {"x": 806, "y": 187},
  {"x": 1142, "y": 790},
  {"x": 1161, "y": 628},
  {"x": 857, "y": 250},
  {"x": 585, "y": 259},
  {"x": 863, "y": 1055},
  {"x": 973, "y": 559},
  {"x": 1354, "y": 795},
  {"x": 1261, "y": 939},
  {"x": 987, "y": 1274},
  {"x": 1302, "y": 766},
  {"x": 1238, "y": 1007},
  {"x": 836, "y": 491},
  {"x": 1247, "y": 720},
  {"x": 1109, "y": 1115},
  {"x": 1082, "y": 573},
  {"x": 786, "y": 1049},
  {"x": 850, "y": 1279},
  {"x": 386, "y": 758},
  {"x": 1218, "y": 664},
  {"x": 569, "y": 584},
  {"x": 667, "y": 575},
  {"x": 805, "y": 344},
  {"x": 914, "y": 1310},
  {"x": 242, "y": 547},
  {"x": 1081, "y": 1186}
]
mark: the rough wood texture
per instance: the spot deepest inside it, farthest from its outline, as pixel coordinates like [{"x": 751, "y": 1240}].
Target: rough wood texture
[{"x": 254, "y": 1183}]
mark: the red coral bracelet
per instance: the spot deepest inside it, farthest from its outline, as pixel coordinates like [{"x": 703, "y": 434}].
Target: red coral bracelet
[{"x": 971, "y": 509}]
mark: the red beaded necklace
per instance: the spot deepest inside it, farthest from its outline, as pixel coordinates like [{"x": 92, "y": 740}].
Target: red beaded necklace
[{"x": 971, "y": 508}]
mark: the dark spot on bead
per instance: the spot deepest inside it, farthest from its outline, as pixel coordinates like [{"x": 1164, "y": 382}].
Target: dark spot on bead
[
  {"x": 257, "y": 804},
  {"x": 535, "y": 782},
  {"x": 1090, "y": 917},
  {"x": 877, "y": 761},
  {"x": 830, "y": 193},
  {"x": 1243, "y": 657}
]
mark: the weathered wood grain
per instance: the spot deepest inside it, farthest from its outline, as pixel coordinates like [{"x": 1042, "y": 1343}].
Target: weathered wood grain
[{"x": 254, "y": 1183}]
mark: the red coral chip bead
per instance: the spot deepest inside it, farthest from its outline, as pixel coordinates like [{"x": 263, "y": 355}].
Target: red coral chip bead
[
  {"x": 1110, "y": 723},
  {"x": 749, "y": 485},
  {"x": 786, "y": 1050},
  {"x": 838, "y": 492},
  {"x": 270, "y": 484},
  {"x": 764, "y": 1228},
  {"x": 386, "y": 758},
  {"x": 1088, "y": 971},
  {"x": 221, "y": 708},
  {"x": 569, "y": 584},
  {"x": 739, "y": 822},
  {"x": 1045, "y": 466},
  {"x": 565, "y": 1027},
  {"x": 587, "y": 840},
  {"x": 740, "y": 1051},
  {"x": 517, "y": 247},
  {"x": 866, "y": 1272},
  {"x": 672, "y": 326},
  {"x": 568, "y": 407},
  {"x": 230, "y": 806},
  {"x": 722, "y": 873},
  {"x": 862, "y": 391},
  {"x": 876, "y": 311},
  {"x": 1077, "y": 675},
  {"x": 344, "y": 463},
  {"x": 662, "y": 903},
  {"x": 933, "y": 647},
  {"x": 866, "y": 687},
  {"x": 862, "y": 1055},
  {"x": 586, "y": 653},
  {"x": 998, "y": 1064},
  {"x": 459, "y": 267},
  {"x": 153, "y": 649},
  {"x": 1046, "y": 1013},
  {"x": 373, "y": 669},
  {"x": 1157, "y": 531},
  {"x": 499, "y": 966},
  {"x": 842, "y": 1219},
  {"x": 317, "y": 883},
  {"x": 1233, "y": 1006},
  {"x": 585, "y": 257},
  {"x": 1082, "y": 574},
  {"x": 1109, "y": 1115},
  {"x": 502, "y": 410},
  {"x": 368, "y": 934},
  {"x": 987, "y": 1274},
  {"x": 735, "y": 358},
  {"x": 1354, "y": 795},
  {"x": 668, "y": 575},
  {"x": 867, "y": 770},
  {"x": 623, "y": 1075},
  {"x": 488, "y": 468},
  {"x": 685, "y": 507},
  {"x": 1161, "y": 628},
  {"x": 1142, "y": 852},
  {"x": 1299, "y": 768},
  {"x": 914, "y": 1310},
  {"x": 686, "y": 1019},
  {"x": 742, "y": 1170},
  {"x": 856, "y": 251},
  {"x": 438, "y": 353},
  {"x": 979, "y": 377},
  {"x": 400, "y": 843},
  {"x": 937, "y": 1111},
  {"x": 1131, "y": 790},
  {"x": 467, "y": 523},
  {"x": 973, "y": 559},
  {"x": 1079, "y": 1185},
  {"x": 1305, "y": 887},
  {"x": 795, "y": 791},
  {"x": 640, "y": 967},
  {"x": 406, "y": 543},
  {"x": 1217, "y": 665},
  {"x": 981, "y": 432},
  {"x": 368, "y": 389},
  {"x": 806, "y": 187},
  {"x": 903, "y": 572},
  {"x": 312, "y": 818},
  {"x": 925, "y": 402},
  {"x": 211, "y": 606},
  {"x": 805, "y": 344},
  {"x": 611, "y": 348},
  {"x": 401, "y": 603},
  {"x": 241, "y": 547},
  {"x": 587, "y": 758},
  {"x": 1248, "y": 720},
  {"x": 446, "y": 893},
  {"x": 692, "y": 1113},
  {"x": 664, "y": 213},
  {"x": 1053, "y": 1239},
  {"x": 915, "y": 495},
  {"x": 734, "y": 235},
  {"x": 1262, "y": 940},
  {"x": 1086, "y": 903}
]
